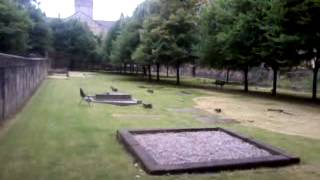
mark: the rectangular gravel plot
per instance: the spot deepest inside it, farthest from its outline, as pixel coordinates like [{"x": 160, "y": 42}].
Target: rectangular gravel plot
[{"x": 196, "y": 150}]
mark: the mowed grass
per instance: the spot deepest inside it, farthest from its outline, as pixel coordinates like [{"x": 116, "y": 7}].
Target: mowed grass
[{"x": 54, "y": 138}]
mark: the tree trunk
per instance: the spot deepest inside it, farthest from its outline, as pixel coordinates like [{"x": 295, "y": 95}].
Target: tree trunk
[
  {"x": 71, "y": 65},
  {"x": 137, "y": 69},
  {"x": 120, "y": 69},
  {"x": 246, "y": 84},
  {"x": 149, "y": 72},
  {"x": 275, "y": 79},
  {"x": 88, "y": 66},
  {"x": 315, "y": 82},
  {"x": 167, "y": 70},
  {"x": 228, "y": 75},
  {"x": 144, "y": 71},
  {"x": 131, "y": 68},
  {"x": 158, "y": 71},
  {"x": 178, "y": 73},
  {"x": 125, "y": 68},
  {"x": 194, "y": 71}
]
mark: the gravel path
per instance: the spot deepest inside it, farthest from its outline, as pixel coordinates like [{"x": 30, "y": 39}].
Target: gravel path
[{"x": 191, "y": 147}]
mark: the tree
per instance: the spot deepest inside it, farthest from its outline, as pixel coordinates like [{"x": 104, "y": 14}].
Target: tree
[
  {"x": 111, "y": 36},
  {"x": 230, "y": 35},
  {"x": 142, "y": 56},
  {"x": 179, "y": 26},
  {"x": 144, "y": 52},
  {"x": 160, "y": 32},
  {"x": 23, "y": 28},
  {"x": 276, "y": 48},
  {"x": 14, "y": 26},
  {"x": 75, "y": 40},
  {"x": 153, "y": 37},
  {"x": 147, "y": 20},
  {"x": 40, "y": 32},
  {"x": 301, "y": 19},
  {"x": 125, "y": 44}
]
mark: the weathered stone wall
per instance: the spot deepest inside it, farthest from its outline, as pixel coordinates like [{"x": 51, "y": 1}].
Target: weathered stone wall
[
  {"x": 295, "y": 78},
  {"x": 256, "y": 74},
  {"x": 19, "y": 78}
]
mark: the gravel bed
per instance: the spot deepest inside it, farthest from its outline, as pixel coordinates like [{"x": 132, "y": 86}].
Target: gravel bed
[{"x": 195, "y": 147}]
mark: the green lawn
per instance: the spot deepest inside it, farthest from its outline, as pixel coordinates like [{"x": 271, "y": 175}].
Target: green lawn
[{"x": 54, "y": 138}]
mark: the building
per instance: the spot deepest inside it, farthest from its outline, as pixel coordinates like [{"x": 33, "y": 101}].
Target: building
[{"x": 84, "y": 13}]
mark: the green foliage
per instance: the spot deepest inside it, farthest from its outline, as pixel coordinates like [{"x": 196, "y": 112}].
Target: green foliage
[
  {"x": 74, "y": 39},
  {"x": 301, "y": 19},
  {"x": 14, "y": 26},
  {"x": 23, "y": 28},
  {"x": 242, "y": 34},
  {"x": 181, "y": 29},
  {"x": 159, "y": 32},
  {"x": 276, "y": 48},
  {"x": 231, "y": 32},
  {"x": 149, "y": 37},
  {"x": 112, "y": 35},
  {"x": 142, "y": 55},
  {"x": 40, "y": 33},
  {"x": 125, "y": 43}
]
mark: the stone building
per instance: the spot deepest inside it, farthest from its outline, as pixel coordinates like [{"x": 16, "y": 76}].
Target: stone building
[{"x": 84, "y": 13}]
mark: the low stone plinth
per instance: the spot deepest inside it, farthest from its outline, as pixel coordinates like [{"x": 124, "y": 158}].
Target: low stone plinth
[
  {"x": 121, "y": 99},
  {"x": 114, "y": 96}
]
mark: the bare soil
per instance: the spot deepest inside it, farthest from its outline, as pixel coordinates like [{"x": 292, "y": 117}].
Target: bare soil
[
  {"x": 58, "y": 76},
  {"x": 136, "y": 117},
  {"x": 76, "y": 74},
  {"x": 293, "y": 119}
]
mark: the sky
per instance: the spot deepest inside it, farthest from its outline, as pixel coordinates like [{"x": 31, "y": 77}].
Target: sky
[{"x": 108, "y": 10}]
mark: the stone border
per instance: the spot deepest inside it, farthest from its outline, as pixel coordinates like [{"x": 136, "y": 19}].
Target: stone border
[{"x": 278, "y": 158}]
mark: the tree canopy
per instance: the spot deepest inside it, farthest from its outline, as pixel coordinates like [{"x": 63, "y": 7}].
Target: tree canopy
[
  {"x": 223, "y": 34},
  {"x": 14, "y": 26},
  {"x": 74, "y": 39},
  {"x": 159, "y": 32}
]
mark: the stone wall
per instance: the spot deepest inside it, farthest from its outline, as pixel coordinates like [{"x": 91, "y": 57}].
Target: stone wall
[
  {"x": 296, "y": 78},
  {"x": 255, "y": 74},
  {"x": 19, "y": 79}
]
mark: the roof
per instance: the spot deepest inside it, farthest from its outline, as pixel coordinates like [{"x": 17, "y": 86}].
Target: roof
[{"x": 106, "y": 25}]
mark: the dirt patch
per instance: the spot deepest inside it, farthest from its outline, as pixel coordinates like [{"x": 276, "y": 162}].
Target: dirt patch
[
  {"x": 58, "y": 76},
  {"x": 184, "y": 93},
  {"x": 205, "y": 117},
  {"x": 214, "y": 119},
  {"x": 299, "y": 119},
  {"x": 77, "y": 74},
  {"x": 136, "y": 117},
  {"x": 185, "y": 110}
]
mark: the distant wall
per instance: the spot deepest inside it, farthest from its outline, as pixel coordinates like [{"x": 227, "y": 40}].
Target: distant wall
[
  {"x": 19, "y": 79},
  {"x": 299, "y": 78}
]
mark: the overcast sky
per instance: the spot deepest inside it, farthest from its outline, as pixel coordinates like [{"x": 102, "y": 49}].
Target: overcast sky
[{"x": 108, "y": 10}]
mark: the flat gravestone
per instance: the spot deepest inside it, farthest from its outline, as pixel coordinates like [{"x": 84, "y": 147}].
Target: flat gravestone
[{"x": 115, "y": 98}]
